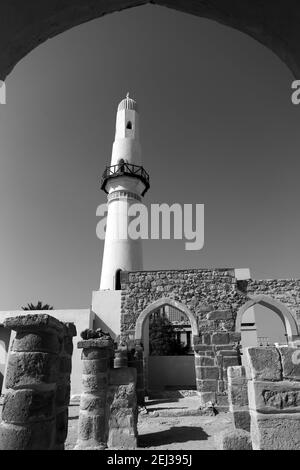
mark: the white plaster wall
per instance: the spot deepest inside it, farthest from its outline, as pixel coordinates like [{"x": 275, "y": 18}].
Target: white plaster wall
[{"x": 106, "y": 306}]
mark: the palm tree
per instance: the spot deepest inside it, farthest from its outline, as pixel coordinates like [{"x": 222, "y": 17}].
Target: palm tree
[{"x": 38, "y": 306}]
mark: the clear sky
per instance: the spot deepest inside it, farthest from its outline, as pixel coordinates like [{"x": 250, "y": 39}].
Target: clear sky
[{"x": 217, "y": 128}]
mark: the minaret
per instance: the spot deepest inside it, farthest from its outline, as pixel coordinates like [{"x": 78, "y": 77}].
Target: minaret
[{"x": 125, "y": 181}]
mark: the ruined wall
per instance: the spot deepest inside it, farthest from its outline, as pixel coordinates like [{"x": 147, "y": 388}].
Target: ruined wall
[
  {"x": 286, "y": 291},
  {"x": 202, "y": 291},
  {"x": 274, "y": 397},
  {"x": 108, "y": 405}
]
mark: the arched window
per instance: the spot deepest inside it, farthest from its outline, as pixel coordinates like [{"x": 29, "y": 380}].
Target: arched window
[
  {"x": 129, "y": 125},
  {"x": 118, "y": 279}
]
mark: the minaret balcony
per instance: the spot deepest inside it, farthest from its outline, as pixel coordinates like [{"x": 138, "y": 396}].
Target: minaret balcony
[{"x": 125, "y": 169}]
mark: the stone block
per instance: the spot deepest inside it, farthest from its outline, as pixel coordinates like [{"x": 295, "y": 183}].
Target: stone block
[
  {"x": 92, "y": 427},
  {"x": 39, "y": 341},
  {"x": 275, "y": 431},
  {"x": 93, "y": 383},
  {"x": 222, "y": 400},
  {"x": 94, "y": 353},
  {"x": 238, "y": 394},
  {"x": 237, "y": 439},
  {"x": 122, "y": 396},
  {"x": 123, "y": 418},
  {"x": 93, "y": 403},
  {"x": 34, "y": 436},
  {"x": 274, "y": 397},
  {"x": 207, "y": 372},
  {"x": 229, "y": 361},
  {"x": 236, "y": 372},
  {"x": 26, "y": 368},
  {"x": 93, "y": 366},
  {"x": 219, "y": 315},
  {"x": 95, "y": 343},
  {"x": 123, "y": 376},
  {"x": 207, "y": 385},
  {"x": 290, "y": 358},
  {"x": 121, "y": 439},
  {"x": 263, "y": 363},
  {"x": 201, "y": 348},
  {"x": 221, "y": 337},
  {"x": 205, "y": 338},
  {"x": 204, "y": 361},
  {"x": 227, "y": 352},
  {"x": 241, "y": 419},
  {"x": 225, "y": 347},
  {"x": 25, "y": 406},
  {"x": 32, "y": 322}
]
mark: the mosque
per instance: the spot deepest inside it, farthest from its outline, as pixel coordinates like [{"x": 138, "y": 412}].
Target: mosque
[{"x": 218, "y": 307}]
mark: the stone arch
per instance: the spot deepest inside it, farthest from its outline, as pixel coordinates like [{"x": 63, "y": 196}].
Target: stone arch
[
  {"x": 159, "y": 303},
  {"x": 277, "y": 307},
  {"x": 35, "y": 22}
]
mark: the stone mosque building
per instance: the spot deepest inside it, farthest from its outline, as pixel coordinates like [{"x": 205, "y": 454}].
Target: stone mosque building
[{"x": 219, "y": 307}]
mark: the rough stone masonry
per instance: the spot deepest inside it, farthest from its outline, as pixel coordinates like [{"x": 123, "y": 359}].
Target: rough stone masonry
[{"x": 35, "y": 408}]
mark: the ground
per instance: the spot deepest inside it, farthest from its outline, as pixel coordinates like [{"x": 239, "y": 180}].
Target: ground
[{"x": 171, "y": 431}]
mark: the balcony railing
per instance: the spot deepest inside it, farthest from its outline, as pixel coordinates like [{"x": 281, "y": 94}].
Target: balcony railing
[{"x": 125, "y": 169}]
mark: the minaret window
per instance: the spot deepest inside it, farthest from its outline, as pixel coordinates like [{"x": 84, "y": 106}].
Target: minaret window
[{"x": 129, "y": 125}]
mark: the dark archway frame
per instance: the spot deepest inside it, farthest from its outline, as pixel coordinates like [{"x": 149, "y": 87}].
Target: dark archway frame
[{"x": 25, "y": 25}]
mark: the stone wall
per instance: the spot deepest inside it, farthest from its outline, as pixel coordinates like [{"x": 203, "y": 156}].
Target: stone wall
[
  {"x": 35, "y": 407},
  {"x": 202, "y": 291},
  {"x": 274, "y": 397},
  {"x": 286, "y": 291}
]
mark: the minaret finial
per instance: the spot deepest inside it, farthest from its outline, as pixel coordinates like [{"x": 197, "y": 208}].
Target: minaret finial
[{"x": 127, "y": 94}]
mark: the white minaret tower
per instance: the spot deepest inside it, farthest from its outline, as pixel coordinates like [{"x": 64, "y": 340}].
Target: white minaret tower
[{"x": 125, "y": 181}]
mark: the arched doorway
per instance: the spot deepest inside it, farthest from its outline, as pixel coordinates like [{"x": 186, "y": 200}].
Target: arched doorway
[
  {"x": 166, "y": 329},
  {"x": 263, "y": 321}
]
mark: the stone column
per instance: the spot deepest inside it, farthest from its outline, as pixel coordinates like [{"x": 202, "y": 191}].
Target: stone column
[
  {"x": 137, "y": 361},
  {"x": 28, "y": 416},
  {"x": 93, "y": 414},
  {"x": 64, "y": 385},
  {"x": 274, "y": 397},
  {"x": 238, "y": 397},
  {"x": 214, "y": 353},
  {"x": 123, "y": 412}
]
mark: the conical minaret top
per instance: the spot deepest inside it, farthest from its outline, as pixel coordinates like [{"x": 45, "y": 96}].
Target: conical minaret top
[{"x": 125, "y": 181}]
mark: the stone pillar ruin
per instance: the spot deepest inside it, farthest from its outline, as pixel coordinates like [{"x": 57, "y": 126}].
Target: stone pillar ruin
[
  {"x": 93, "y": 414},
  {"x": 274, "y": 397},
  {"x": 238, "y": 397},
  {"x": 136, "y": 360},
  {"x": 108, "y": 406},
  {"x": 237, "y": 438},
  {"x": 63, "y": 385},
  {"x": 30, "y": 417},
  {"x": 214, "y": 353}
]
